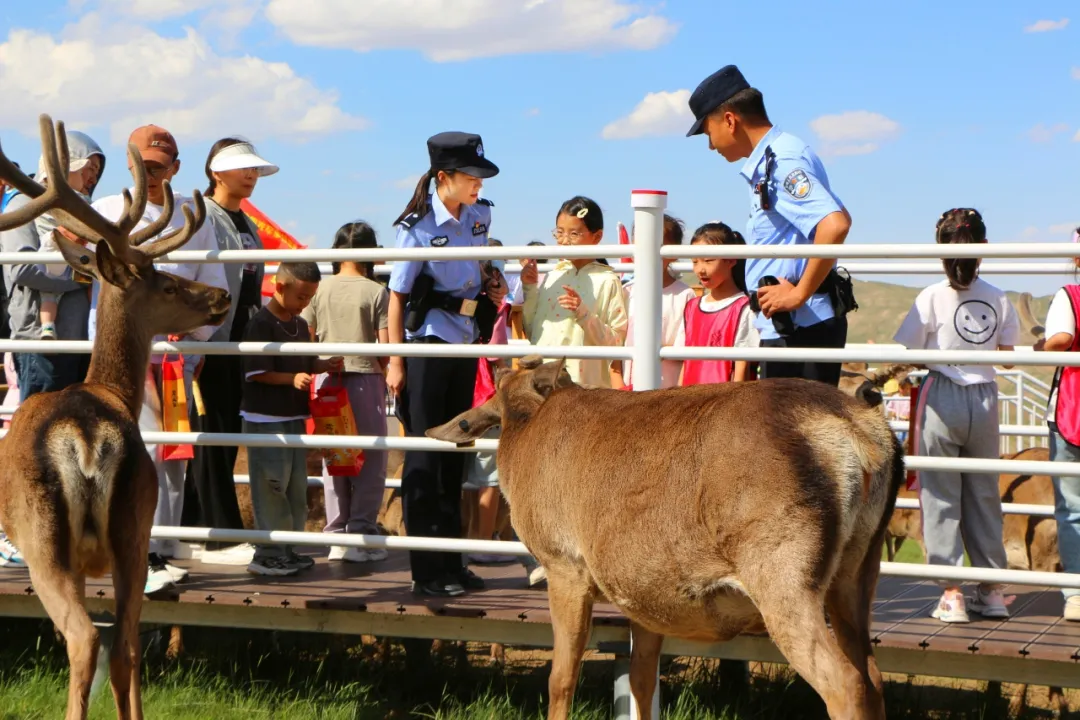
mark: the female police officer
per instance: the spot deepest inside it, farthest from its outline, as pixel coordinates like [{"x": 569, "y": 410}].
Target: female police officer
[{"x": 438, "y": 302}]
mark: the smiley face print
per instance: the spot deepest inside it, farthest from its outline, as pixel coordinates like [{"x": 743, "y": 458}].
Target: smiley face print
[{"x": 975, "y": 321}]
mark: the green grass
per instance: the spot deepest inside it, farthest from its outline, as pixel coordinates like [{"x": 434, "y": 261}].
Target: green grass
[{"x": 226, "y": 674}]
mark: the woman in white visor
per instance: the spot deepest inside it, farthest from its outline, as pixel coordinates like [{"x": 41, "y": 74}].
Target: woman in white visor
[{"x": 233, "y": 168}]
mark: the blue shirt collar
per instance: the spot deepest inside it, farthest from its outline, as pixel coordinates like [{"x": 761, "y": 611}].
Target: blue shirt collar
[
  {"x": 754, "y": 160},
  {"x": 442, "y": 215}
]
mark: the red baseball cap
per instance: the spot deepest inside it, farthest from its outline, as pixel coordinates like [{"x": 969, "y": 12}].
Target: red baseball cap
[{"x": 155, "y": 144}]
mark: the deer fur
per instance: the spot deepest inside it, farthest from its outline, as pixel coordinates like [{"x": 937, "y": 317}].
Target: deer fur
[
  {"x": 77, "y": 486},
  {"x": 700, "y": 512}
]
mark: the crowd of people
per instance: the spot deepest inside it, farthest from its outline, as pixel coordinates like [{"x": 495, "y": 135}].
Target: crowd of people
[{"x": 767, "y": 302}]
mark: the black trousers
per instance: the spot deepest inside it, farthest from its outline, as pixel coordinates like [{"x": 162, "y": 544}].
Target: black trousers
[
  {"x": 436, "y": 390},
  {"x": 210, "y": 492},
  {"x": 831, "y": 333}
]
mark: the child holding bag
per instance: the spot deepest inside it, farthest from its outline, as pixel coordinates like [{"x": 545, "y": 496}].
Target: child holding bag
[{"x": 351, "y": 308}]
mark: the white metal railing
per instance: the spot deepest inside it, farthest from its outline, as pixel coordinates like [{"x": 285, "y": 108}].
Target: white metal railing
[{"x": 646, "y": 353}]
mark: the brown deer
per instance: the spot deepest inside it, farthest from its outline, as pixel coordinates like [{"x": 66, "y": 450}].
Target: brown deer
[
  {"x": 77, "y": 486},
  {"x": 766, "y": 511}
]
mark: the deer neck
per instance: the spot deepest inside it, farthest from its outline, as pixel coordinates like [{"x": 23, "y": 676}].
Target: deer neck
[{"x": 121, "y": 352}]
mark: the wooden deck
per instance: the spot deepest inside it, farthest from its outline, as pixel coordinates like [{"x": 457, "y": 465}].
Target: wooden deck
[{"x": 1036, "y": 645}]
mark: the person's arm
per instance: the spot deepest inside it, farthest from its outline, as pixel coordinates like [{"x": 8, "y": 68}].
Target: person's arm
[
  {"x": 616, "y": 373},
  {"x": 531, "y": 290},
  {"x": 31, "y": 275},
  {"x": 402, "y": 277},
  {"x": 382, "y": 323},
  {"x": 1060, "y": 325},
  {"x": 741, "y": 372},
  {"x": 607, "y": 325}
]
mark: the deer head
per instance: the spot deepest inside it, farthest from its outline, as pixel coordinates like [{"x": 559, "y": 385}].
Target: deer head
[
  {"x": 122, "y": 260},
  {"x": 518, "y": 395},
  {"x": 1027, "y": 317}
]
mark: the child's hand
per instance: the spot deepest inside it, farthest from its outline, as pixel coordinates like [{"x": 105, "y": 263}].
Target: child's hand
[
  {"x": 301, "y": 381},
  {"x": 496, "y": 289},
  {"x": 571, "y": 301},
  {"x": 336, "y": 363},
  {"x": 530, "y": 275}
]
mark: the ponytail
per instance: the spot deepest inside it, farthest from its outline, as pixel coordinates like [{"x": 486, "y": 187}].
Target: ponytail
[
  {"x": 955, "y": 227},
  {"x": 419, "y": 204}
]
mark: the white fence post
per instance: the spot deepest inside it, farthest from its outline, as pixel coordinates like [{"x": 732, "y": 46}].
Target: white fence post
[{"x": 649, "y": 208}]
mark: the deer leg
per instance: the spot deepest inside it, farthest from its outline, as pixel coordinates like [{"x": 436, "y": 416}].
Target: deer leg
[
  {"x": 644, "y": 660},
  {"x": 62, "y": 594},
  {"x": 129, "y": 580},
  {"x": 849, "y": 613},
  {"x": 570, "y": 599},
  {"x": 796, "y": 623}
]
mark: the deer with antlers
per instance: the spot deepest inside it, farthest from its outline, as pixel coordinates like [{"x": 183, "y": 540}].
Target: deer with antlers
[{"x": 77, "y": 485}]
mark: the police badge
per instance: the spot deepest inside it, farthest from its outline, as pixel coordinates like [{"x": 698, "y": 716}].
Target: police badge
[
  {"x": 439, "y": 241},
  {"x": 798, "y": 185}
]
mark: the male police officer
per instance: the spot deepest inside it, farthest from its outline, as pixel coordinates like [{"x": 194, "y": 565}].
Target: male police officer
[{"x": 791, "y": 204}]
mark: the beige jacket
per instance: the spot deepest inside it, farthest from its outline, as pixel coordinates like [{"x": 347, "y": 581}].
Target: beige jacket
[{"x": 601, "y": 321}]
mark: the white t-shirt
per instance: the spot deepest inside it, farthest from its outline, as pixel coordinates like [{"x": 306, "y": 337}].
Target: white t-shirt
[
  {"x": 112, "y": 207},
  {"x": 1059, "y": 320},
  {"x": 979, "y": 318},
  {"x": 673, "y": 302}
]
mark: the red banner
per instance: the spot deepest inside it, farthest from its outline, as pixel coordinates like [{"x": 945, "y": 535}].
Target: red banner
[
  {"x": 624, "y": 239},
  {"x": 273, "y": 237}
]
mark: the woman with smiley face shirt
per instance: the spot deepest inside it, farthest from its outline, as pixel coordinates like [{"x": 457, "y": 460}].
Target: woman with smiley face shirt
[{"x": 957, "y": 416}]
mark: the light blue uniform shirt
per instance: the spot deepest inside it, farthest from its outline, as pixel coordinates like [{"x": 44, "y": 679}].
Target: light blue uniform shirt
[
  {"x": 460, "y": 278},
  {"x": 799, "y": 198}
]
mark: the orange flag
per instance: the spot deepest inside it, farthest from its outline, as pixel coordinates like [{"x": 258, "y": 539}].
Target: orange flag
[{"x": 273, "y": 238}]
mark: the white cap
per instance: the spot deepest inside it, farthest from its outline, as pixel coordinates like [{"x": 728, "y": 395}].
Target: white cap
[{"x": 241, "y": 157}]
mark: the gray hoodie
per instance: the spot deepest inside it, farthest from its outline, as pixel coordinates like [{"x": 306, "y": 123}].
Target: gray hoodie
[
  {"x": 81, "y": 147},
  {"x": 25, "y": 283}
]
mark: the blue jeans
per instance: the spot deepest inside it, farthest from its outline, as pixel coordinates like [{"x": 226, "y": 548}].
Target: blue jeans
[
  {"x": 278, "y": 478},
  {"x": 48, "y": 373},
  {"x": 1067, "y": 508}
]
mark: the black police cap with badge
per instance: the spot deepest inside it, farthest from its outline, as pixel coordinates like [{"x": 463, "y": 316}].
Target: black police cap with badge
[
  {"x": 713, "y": 92},
  {"x": 460, "y": 151}
]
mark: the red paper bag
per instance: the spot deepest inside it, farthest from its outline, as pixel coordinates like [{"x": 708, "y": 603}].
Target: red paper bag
[
  {"x": 331, "y": 414},
  {"x": 174, "y": 408}
]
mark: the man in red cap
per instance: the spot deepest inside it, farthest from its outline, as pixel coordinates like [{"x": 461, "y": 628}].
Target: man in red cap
[{"x": 161, "y": 157}]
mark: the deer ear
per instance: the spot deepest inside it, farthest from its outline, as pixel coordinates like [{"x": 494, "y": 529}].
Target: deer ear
[
  {"x": 551, "y": 376},
  {"x": 112, "y": 269},
  {"x": 78, "y": 257},
  {"x": 469, "y": 425}
]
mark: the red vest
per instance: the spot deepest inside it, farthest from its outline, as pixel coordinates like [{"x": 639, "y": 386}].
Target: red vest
[
  {"x": 710, "y": 329},
  {"x": 1067, "y": 382}
]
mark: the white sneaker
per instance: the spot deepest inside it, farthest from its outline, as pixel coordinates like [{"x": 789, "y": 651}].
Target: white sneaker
[
  {"x": 235, "y": 555},
  {"x": 990, "y": 603},
  {"x": 9, "y": 554},
  {"x": 951, "y": 608},
  {"x": 1072, "y": 608},
  {"x": 158, "y": 579},
  {"x": 337, "y": 553},
  {"x": 377, "y": 554}
]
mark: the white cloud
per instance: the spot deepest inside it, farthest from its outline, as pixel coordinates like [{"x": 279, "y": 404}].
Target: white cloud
[
  {"x": 1045, "y": 133},
  {"x": 85, "y": 77},
  {"x": 1047, "y": 26},
  {"x": 406, "y": 183},
  {"x": 452, "y": 30},
  {"x": 660, "y": 113},
  {"x": 857, "y": 132}
]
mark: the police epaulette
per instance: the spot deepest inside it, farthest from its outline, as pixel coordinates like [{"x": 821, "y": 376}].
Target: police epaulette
[
  {"x": 410, "y": 220},
  {"x": 484, "y": 201}
]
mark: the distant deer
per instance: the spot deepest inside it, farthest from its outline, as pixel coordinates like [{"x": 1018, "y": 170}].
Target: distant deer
[
  {"x": 766, "y": 512},
  {"x": 77, "y": 486}
]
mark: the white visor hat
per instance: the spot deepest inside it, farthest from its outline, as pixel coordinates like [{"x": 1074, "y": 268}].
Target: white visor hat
[{"x": 241, "y": 157}]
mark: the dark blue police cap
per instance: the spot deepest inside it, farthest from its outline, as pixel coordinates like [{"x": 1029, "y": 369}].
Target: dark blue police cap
[
  {"x": 713, "y": 92},
  {"x": 460, "y": 151}
]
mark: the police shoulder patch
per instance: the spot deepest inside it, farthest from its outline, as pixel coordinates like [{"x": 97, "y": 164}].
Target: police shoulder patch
[
  {"x": 410, "y": 220},
  {"x": 484, "y": 201},
  {"x": 439, "y": 241},
  {"x": 798, "y": 184}
]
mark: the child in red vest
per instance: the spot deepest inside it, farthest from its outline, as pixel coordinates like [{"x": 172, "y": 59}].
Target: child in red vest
[
  {"x": 721, "y": 317},
  {"x": 1063, "y": 417}
]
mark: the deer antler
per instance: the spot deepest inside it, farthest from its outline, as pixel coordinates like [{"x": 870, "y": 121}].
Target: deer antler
[
  {"x": 76, "y": 215},
  {"x": 1027, "y": 316}
]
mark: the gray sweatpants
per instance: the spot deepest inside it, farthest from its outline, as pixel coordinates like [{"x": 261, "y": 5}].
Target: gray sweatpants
[{"x": 960, "y": 510}]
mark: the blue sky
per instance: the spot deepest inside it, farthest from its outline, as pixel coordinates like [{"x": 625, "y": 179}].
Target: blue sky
[{"x": 931, "y": 106}]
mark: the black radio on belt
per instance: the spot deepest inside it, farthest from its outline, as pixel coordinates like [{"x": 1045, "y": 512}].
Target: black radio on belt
[
  {"x": 837, "y": 286},
  {"x": 423, "y": 298}
]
